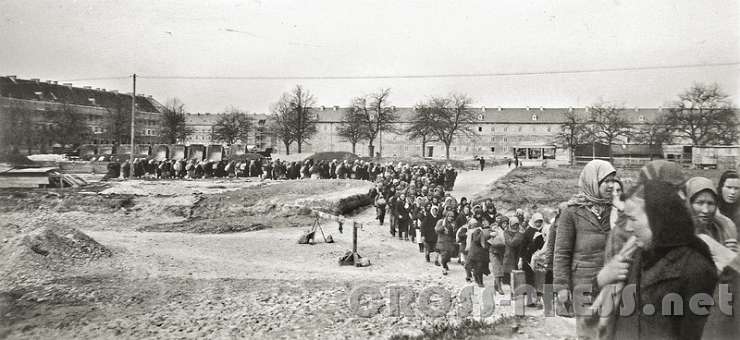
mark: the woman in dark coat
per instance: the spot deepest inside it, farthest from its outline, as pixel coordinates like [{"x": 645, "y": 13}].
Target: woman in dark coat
[
  {"x": 497, "y": 251},
  {"x": 582, "y": 234},
  {"x": 477, "y": 261},
  {"x": 445, "y": 229},
  {"x": 672, "y": 261},
  {"x": 429, "y": 221},
  {"x": 402, "y": 213},
  {"x": 722, "y": 325}
]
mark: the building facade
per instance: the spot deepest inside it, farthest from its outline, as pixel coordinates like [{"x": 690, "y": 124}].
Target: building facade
[
  {"x": 528, "y": 133},
  {"x": 202, "y": 125},
  {"x": 34, "y": 104}
]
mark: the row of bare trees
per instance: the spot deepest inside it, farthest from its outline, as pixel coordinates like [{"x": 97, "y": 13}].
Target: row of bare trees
[{"x": 702, "y": 115}]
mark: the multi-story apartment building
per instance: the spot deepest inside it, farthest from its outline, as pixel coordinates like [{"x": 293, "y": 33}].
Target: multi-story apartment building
[
  {"x": 37, "y": 102},
  {"x": 202, "y": 125},
  {"x": 498, "y": 132}
]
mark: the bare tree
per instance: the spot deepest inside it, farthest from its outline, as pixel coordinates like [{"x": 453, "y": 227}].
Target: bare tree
[
  {"x": 280, "y": 124},
  {"x": 233, "y": 125},
  {"x": 119, "y": 122},
  {"x": 295, "y": 111},
  {"x": 608, "y": 124},
  {"x": 173, "y": 124},
  {"x": 377, "y": 113},
  {"x": 68, "y": 126},
  {"x": 573, "y": 131},
  {"x": 704, "y": 115},
  {"x": 352, "y": 127},
  {"x": 18, "y": 129},
  {"x": 654, "y": 133},
  {"x": 421, "y": 126},
  {"x": 452, "y": 118}
]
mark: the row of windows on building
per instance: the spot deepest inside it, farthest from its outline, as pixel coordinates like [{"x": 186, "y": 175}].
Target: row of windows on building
[{"x": 505, "y": 128}]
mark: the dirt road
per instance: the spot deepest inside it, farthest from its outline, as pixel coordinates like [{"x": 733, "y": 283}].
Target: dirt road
[{"x": 255, "y": 284}]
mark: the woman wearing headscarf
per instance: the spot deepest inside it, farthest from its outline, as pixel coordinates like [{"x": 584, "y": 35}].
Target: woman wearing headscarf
[
  {"x": 445, "y": 229},
  {"x": 497, "y": 251},
  {"x": 513, "y": 236},
  {"x": 429, "y": 221},
  {"x": 532, "y": 241},
  {"x": 477, "y": 244},
  {"x": 702, "y": 200},
  {"x": 461, "y": 230},
  {"x": 672, "y": 261},
  {"x": 661, "y": 170},
  {"x": 582, "y": 234},
  {"x": 402, "y": 211},
  {"x": 489, "y": 214}
]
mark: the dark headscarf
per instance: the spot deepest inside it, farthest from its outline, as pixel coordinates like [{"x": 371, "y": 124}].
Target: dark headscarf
[
  {"x": 724, "y": 207},
  {"x": 670, "y": 222},
  {"x": 660, "y": 170}
]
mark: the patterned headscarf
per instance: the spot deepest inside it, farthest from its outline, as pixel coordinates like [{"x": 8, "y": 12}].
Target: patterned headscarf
[{"x": 593, "y": 173}]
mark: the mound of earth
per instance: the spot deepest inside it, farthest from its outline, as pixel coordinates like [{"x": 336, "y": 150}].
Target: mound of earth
[
  {"x": 48, "y": 248},
  {"x": 286, "y": 203}
]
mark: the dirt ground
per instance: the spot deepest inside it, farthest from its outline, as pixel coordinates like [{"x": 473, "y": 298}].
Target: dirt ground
[
  {"x": 535, "y": 188},
  {"x": 188, "y": 283}
]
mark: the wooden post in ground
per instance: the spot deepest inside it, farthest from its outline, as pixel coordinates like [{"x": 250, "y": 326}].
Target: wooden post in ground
[{"x": 355, "y": 258}]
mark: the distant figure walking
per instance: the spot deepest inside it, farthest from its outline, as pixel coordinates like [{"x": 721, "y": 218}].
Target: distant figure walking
[
  {"x": 509, "y": 162},
  {"x": 482, "y": 161}
]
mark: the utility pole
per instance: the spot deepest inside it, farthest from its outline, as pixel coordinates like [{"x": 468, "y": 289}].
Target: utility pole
[{"x": 133, "y": 118}]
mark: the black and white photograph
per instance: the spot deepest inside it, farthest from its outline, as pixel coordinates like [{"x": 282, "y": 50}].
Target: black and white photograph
[{"x": 252, "y": 169}]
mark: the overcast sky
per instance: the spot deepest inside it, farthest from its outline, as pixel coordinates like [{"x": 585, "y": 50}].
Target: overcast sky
[{"x": 62, "y": 40}]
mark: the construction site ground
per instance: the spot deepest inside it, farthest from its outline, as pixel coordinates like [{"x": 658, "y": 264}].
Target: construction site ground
[{"x": 164, "y": 265}]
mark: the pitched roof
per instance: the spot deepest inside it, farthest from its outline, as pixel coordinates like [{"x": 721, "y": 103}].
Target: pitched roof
[
  {"x": 503, "y": 115},
  {"x": 12, "y": 87}
]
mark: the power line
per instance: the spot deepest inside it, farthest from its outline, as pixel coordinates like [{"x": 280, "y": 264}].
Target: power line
[
  {"x": 98, "y": 78},
  {"x": 450, "y": 75},
  {"x": 416, "y": 76}
]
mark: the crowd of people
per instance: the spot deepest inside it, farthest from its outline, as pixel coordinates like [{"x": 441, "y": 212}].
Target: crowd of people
[
  {"x": 277, "y": 169},
  {"x": 665, "y": 235},
  {"x": 483, "y": 240}
]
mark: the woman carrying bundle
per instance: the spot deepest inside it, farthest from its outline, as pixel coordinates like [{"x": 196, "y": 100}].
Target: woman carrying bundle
[{"x": 477, "y": 246}]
